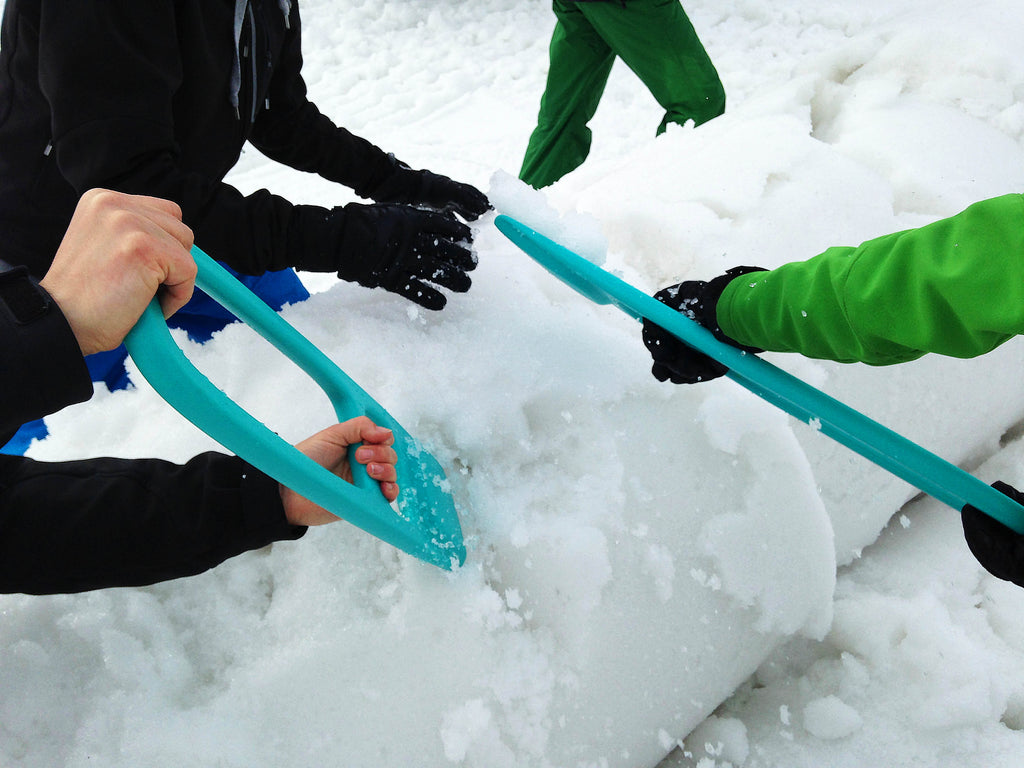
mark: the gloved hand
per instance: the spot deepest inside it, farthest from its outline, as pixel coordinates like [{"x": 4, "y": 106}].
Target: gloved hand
[
  {"x": 432, "y": 190},
  {"x": 999, "y": 549},
  {"x": 673, "y": 359},
  {"x": 405, "y": 250}
]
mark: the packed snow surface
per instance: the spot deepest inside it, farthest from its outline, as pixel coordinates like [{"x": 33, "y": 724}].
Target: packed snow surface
[{"x": 655, "y": 573}]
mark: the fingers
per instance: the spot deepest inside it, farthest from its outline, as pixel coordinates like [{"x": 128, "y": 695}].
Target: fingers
[
  {"x": 174, "y": 236},
  {"x": 454, "y": 255},
  {"x": 171, "y": 242},
  {"x": 152, "y": 236},
  {"x": 358, "y": 430},
  {"x": 464, "y": 199},
  {"x": 433, "y": 255},
  {"x": 422, "y": 294},
  {"x": 377, "y": 454},
  {"x": 661, "y": 372},
  {"x": 379, "y": 460},
  {"x": 660, "y": 343},
  {"x": 164, "y": 215},
  {"x": 168, "y": 207},
  {"x": 446, "y": 266},
  {"x": 174, "y": 296},
  {"x": 179, "y": 272},
  {"x": 169, "y": 222},
  {"x": 675, "y": 361},
  {"x": 441, "y": 271},
  {"x": 116, "y": 254},
  {"x": 431, "y": 252},
  {"x": 329, "y": 449},
  {"x": 450, "y": 277},
  {"x": 380, "y": 454},
  {"x": 471, "y": 205},
  {"x": 445, "y": 225},
  {"x": 370, "y": 433},
  {"x": 380, "y": 465}
]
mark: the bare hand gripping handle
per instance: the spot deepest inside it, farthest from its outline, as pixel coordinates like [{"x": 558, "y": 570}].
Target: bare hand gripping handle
[{"x": 425, "y": 524}]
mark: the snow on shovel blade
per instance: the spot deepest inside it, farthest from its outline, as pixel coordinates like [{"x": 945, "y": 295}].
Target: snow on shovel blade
[
  {"x": 425, "y": 523},
  {"x": 903, "y": 458}
]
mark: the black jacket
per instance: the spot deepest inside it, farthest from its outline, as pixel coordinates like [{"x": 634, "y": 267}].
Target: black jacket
[
  {"x": 136, "y": 95},
  {"x": 79, "y": 525}
]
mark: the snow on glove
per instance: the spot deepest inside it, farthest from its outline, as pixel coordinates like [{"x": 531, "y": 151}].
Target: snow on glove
[
  {"x": 675, "y": 360},
  {"x": 432, "y": 190},
  {"x": 404, "y": 250},
  {"x": 999, "y": 549},
  {"x": 407, "y": 251}
]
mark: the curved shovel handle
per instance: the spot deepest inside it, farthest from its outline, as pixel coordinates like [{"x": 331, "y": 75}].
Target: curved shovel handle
[
  {"x": 427, "y": 525},
  {"x": 190, "y": 393}
]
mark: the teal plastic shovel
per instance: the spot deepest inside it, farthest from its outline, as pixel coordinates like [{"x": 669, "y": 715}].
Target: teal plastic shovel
[
  {"x": 903, "y": 458},
  {"x": 423, "y": 522}
]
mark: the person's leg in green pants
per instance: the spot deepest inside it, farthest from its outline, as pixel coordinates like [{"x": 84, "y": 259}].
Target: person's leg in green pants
[
  {"x": 657, "y": 41},
  {"x": 580, "y": 64},
  {"x": 654, "y": 38}
]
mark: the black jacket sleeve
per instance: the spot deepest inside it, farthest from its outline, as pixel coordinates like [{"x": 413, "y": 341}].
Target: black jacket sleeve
[
  {"x": 138, "y": 106},
  {"x": 292, "y": 131},
  {"x": 73, "y": 526},
  {"x": 115, "y": 74},
  {"x": 81, "y": 525},
  {"x": 41, "y": 365}
]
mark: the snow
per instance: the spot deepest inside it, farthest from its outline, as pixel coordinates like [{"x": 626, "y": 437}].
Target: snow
[{"x": 655, "y": 574}]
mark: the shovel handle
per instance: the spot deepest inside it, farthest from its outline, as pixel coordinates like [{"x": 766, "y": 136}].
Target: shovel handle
[
  {"x": 889, "y": 450},
  {"x": 425, "y": 524},
  {"x": 167, "y": 369}
]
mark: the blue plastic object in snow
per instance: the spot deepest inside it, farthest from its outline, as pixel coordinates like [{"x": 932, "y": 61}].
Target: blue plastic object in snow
[
  {"x": 423, "y": 522},
  {"x": 903, "y": 458}
]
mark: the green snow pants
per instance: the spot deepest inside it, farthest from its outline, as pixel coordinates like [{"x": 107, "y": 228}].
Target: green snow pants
[{"x": 654, "y": 38}]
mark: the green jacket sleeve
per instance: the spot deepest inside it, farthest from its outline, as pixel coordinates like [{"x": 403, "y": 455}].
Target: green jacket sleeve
[{"x": 954, "y": 287}]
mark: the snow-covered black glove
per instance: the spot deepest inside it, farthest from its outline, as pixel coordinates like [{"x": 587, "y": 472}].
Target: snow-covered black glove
[
  {"x": 999, "y": 549},
  {"x": 675, "y": 360},
  {"x": 405, "y": 250},
  {"x": 409, "y": 187}
]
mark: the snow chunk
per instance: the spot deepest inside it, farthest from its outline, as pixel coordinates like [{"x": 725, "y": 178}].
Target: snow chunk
[{"x": 831, "y": 718}]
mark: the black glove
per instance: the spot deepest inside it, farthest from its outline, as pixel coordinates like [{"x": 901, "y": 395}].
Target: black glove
[
  {"x": 675, "y": 360},
  {"x": 404, "y": 250},
  {"x": 432, "y": 190},
  {"x": 999, "y": 549}
]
